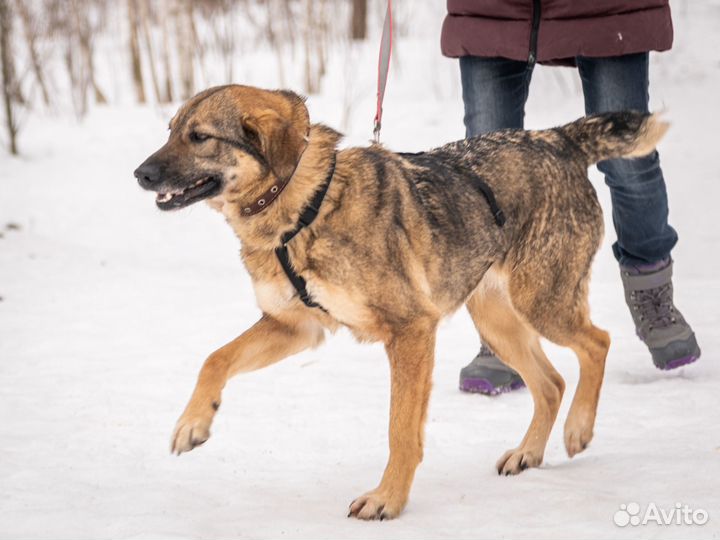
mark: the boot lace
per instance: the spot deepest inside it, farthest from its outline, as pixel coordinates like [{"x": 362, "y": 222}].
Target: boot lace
[{"x": 656, "y": 306}]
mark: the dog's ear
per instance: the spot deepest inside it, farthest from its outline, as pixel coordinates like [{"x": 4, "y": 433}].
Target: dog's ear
[{"x": 280, "y": 140}]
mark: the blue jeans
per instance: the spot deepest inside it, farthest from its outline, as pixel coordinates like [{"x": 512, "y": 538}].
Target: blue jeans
[{"x": 494, "y": 93}]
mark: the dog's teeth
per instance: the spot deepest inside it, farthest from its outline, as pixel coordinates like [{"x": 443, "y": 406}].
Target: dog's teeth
[{"x": 166, "y": 197}]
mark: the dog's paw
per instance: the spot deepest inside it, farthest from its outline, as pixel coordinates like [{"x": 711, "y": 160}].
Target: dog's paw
[
  {"x": 189, "y": 433},
  {"x": 517, "y": 460},
  {"x": 376, "y": 504},
  {"x": 577, "y": 437}
]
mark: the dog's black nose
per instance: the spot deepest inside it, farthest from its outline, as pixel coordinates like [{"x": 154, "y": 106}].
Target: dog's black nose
[{"x": 148, "y": 174}]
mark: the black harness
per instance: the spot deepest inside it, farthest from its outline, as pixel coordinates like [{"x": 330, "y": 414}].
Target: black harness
[
  {"x": 497, "y": 212},
  {"x": 311, "y": 211},
  {"x": 307, "y": 216}
]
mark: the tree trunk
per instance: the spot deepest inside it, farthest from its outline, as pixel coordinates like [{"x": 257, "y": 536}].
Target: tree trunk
[
  {"x": 8, "y": 74},
  {"x": 196, "y": 46},
  {"x": 224, "y": 40},
  {"x": 75, "y": 92},
  {"x": 322, "y": 33},
  {"x": 31, "y": 33},
  {"x": 145, "y": 25},
  {"x": 309, "y": 79},
  {"x": 99, "y": 96},
  {"x": 184, "y": 39},
  {"x": 135, "y": 52},
  {"x": 358, "y": 22},
  {"x": 275, "y": 42},
  {"x": 164, "y": 14},
  {"x": 84, "y": 32}
]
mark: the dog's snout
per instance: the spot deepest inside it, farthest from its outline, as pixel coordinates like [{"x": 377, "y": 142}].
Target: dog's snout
[{"x": 148, "y": 174}]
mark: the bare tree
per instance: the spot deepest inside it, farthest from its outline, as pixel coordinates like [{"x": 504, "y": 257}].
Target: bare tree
[
  {"x": 135, "y": 51},
  {"x": 310, "y": 80},
  {"x": 358, "y": 20},
  {"x": 323, "y": 34},
  {"x": 164, "y": 15},
  {"x": 147, "y": 37},
  {"x": 315, "y": 28},
  {"x": 173, "y": 44},
  {"x": 77, "y": 90},
  {"x": 85, "y": 30},
  {"x": 272, "y": 37},
  {"x": 61, "y": 30},
  {"x": 32, "y": 32},
  {"x": 8, "y": 74},
  {"x": 185, "y": 45},
  {"x": 77, "y": 23},
  {"x": 288, "y": 17},
  {"x": 222, "y": 19}
]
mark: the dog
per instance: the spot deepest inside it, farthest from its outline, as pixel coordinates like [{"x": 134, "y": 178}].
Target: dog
[{"x": 387, "y": 244}]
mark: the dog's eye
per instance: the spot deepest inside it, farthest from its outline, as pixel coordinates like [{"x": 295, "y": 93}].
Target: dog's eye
[{"x": 198, "y": 137}]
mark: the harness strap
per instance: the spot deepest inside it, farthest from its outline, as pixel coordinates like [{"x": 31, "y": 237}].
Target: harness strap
[
  {"x": 481, "y": 186},
  {"x": 487, "y": 192},
  {"x": 296, "y": 280},
  {"x": 308, "y": 215}
]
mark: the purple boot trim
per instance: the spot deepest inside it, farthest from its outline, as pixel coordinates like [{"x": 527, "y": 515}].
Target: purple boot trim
[
  {"x": 483, "y": 386},
  {"x": 647, "y": 268},
  {"x": 685, "y": 360}
]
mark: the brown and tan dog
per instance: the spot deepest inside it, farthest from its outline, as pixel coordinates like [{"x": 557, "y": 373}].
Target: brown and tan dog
[{"x": 506, "y": 224}]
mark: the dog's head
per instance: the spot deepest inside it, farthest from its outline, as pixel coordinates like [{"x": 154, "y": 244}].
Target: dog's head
[{"x": 224, "y": 142}]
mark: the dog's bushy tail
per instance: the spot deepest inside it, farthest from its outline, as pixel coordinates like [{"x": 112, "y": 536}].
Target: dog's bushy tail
[{"x": 617, "y": 134}]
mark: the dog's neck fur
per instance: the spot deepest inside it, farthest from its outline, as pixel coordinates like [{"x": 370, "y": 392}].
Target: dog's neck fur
[{"x": 263, "y": 230}]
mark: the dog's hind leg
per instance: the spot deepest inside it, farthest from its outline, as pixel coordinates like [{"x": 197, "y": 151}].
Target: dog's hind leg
[
  {"x": 266, "y": 342},
  {"x": 564, "y": 318},
  {"x": 411, "y": 353},
  {"x": 591, "y": 345},
  {"x": 510, "y": 336}
]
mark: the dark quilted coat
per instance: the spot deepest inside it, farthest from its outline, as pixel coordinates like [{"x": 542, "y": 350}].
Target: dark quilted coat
[{"x": 555, "y": 30}]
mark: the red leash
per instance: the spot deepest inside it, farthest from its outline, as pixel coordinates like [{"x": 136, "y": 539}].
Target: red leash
[{"x": 383, "y": 68}]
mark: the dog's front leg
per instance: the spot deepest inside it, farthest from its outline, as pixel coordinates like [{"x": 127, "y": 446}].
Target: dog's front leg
[
  {"x": 266, "y": 342},
  {"x": 411, "y": 353}
]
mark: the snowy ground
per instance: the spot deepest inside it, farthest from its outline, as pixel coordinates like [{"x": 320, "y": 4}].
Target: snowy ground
[{"x": 109, "y": 307}]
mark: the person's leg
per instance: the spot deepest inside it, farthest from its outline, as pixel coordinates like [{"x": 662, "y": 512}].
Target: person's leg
[
  {"x": 494, "y": 94},
  {"x": 640, "y": 213},
  {"x": 637, "y": 186}
]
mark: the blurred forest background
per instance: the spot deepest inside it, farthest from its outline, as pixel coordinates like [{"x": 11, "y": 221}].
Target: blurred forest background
[
  {"x": 77, "y": 54},
  {"x": 67, "y": 56}
]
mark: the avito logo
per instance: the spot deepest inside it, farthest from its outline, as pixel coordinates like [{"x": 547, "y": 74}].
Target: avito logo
[{"x": 680, "y": 514}]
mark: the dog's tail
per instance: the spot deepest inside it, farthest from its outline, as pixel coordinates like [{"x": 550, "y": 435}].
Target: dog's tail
[{"x": 617, "y": 134}]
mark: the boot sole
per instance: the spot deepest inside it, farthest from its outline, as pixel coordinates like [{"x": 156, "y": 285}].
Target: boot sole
[
  {"x": 687, "y": 352},
  {"x": 679, "y": 362},
  {"x": 485, "y": 387}
]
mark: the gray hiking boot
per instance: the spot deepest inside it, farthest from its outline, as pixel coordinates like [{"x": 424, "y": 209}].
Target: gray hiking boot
[
  {"x": 658, "y": 323},
  {"x": 486, "y": 374}
]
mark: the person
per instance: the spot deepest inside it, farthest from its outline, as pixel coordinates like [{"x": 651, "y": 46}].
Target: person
[{"x": 498, "y": 44}]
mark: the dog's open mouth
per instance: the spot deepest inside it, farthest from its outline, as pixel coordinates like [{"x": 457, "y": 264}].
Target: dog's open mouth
[{"x": 202, "y": 189}]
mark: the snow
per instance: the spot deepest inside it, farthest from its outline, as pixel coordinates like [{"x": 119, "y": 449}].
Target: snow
[{"x": 109, "y": 308}]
